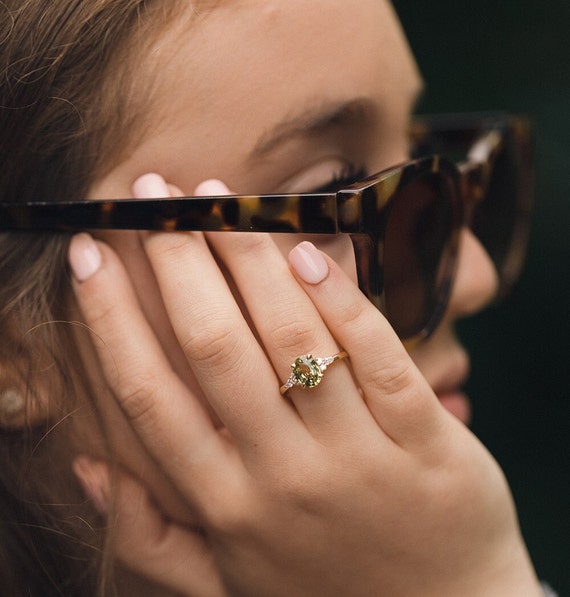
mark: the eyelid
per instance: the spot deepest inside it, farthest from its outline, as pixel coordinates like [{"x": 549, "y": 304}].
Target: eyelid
[{"x": 320, "y": 176}]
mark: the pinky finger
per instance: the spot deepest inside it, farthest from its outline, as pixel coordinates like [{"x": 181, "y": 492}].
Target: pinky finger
[{"x": 160, "y": 550}]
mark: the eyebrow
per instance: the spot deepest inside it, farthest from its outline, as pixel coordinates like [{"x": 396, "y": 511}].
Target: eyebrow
[{"x": 312, "y": 120}]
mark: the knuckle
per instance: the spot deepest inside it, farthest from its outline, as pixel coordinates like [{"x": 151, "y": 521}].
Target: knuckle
[
  {"x": 216, "y": 346},
  {"x": 248, "y": 249},
  {"x": 293, "y": 334},
  {"x": 393, "y": 378},
  {"x": 250, "y": 245},
  {"x": 138, "y": 397},
  {"x": 301, "y": 483},
  {"x": 99, "y": 313},
  {"x": 405, "y": 396},
  {"x": 214, "y": 340},
  {"x": 300, "y": 489},
  {"x": 308, "y": 496},
  {"x": 351, "y": 314},
  {"x": 167, "y": 246}
]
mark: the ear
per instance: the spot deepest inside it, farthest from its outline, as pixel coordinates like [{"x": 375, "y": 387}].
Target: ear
[{"x": 31, "y": 387}]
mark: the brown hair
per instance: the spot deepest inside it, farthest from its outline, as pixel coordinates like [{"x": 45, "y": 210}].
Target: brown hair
[{"x": 67, "y": 95}]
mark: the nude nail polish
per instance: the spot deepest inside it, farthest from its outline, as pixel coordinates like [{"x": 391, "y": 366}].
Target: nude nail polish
[
  {"x": 84, "y": 256},
  {"x": 149, "y": 186},
  {"x": 309, "y": 263}
]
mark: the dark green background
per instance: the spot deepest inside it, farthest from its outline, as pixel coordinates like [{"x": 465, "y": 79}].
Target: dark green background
[{"x": 515, "y": 55}]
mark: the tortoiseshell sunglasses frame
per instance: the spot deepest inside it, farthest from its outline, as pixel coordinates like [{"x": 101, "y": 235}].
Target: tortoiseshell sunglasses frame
[{"x": 359, "y": 210}]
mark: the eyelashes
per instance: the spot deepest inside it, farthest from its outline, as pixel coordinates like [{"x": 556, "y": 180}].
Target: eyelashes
[{"x": 349, "y": 174}]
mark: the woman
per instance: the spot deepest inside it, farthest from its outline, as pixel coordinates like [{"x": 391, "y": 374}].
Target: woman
[{"x": 156, "y": 374}]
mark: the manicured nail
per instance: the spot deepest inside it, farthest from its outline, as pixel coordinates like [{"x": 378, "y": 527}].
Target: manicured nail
[
  {"x": 94, "y": 480},
  {"x": 211, "y": 188},
  {"x": 84, "y": 256},
  {"x": 150, "y": 186},
  {"x": 309, "y": 263}
]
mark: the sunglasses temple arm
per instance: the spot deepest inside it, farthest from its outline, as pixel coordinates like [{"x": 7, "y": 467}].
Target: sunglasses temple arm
[{"x": 313, "y": 214}]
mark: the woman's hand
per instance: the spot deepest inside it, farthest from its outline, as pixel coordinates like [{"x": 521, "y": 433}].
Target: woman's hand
[{"x": 363, "y": 485}]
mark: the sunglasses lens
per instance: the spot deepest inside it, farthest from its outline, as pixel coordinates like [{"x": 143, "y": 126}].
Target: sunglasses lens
[{"x": 418, "y": 252}]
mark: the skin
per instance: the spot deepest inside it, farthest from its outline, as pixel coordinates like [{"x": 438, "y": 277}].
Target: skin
[{"x": 295, "y": 496}]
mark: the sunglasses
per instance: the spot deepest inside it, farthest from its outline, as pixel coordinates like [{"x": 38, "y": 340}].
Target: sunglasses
[{"x": 404, "y": 222}]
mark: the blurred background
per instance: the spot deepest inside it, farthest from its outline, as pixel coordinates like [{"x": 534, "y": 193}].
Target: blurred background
[{"x": 514, "y": 55}]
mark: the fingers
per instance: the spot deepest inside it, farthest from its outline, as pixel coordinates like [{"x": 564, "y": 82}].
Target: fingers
[
  {"x": 225, "y": 355},
  {"x": 231, "y": 367},
  {"x": 163, "y": 412},
  {"x": 162, "y": 551},
  {"x": 289, "y": 325},
  {"x": 398, "y": 396}
]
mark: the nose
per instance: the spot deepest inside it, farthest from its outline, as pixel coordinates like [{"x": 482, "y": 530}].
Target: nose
[{"x": 476, "y": 281}]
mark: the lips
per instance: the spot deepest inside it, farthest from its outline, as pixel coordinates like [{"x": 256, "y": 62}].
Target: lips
[
  {"x": 449, "y": 392},
  {"x": 458, "y": 404}
]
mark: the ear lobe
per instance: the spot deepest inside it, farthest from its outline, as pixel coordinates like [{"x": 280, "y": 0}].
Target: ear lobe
[
  {"x": 26, "y": 395},
  {"x": 12, "y": 405},
  {"x": 20, "y": 407}
]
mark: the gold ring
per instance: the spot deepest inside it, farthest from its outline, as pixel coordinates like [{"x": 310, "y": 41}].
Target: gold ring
[{"x": 308, "y": 371}]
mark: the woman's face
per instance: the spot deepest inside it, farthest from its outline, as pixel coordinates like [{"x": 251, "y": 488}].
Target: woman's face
[{"x": 272, "y": 96}]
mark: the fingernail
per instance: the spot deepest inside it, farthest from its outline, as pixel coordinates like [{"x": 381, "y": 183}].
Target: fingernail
[
  {"x": 94, "y": 481},
  {"x": 149, "y": 186},
  {"x": 84, "y": 256},
  {"x": 309, "y": 263},
  {"x": 211, "y": 188}
]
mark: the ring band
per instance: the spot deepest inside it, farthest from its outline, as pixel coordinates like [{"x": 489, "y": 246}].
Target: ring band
[{"x": 308, "y": 371}]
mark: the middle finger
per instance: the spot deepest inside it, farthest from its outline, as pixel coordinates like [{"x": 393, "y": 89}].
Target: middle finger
[
  {"x": 289, "y": 325},
  {"x": 230, "y": 366}
]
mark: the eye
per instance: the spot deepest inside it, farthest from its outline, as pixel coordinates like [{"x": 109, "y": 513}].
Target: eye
[{"x": 349, "y": 174}]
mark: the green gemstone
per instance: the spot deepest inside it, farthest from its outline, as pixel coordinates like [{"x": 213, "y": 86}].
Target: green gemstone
[{"x": 307, "y": 371}]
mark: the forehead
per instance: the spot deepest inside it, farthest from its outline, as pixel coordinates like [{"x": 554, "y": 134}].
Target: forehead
[
  {"x": 291, "y": 48},
  {"x": 226, "y": 82}
]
